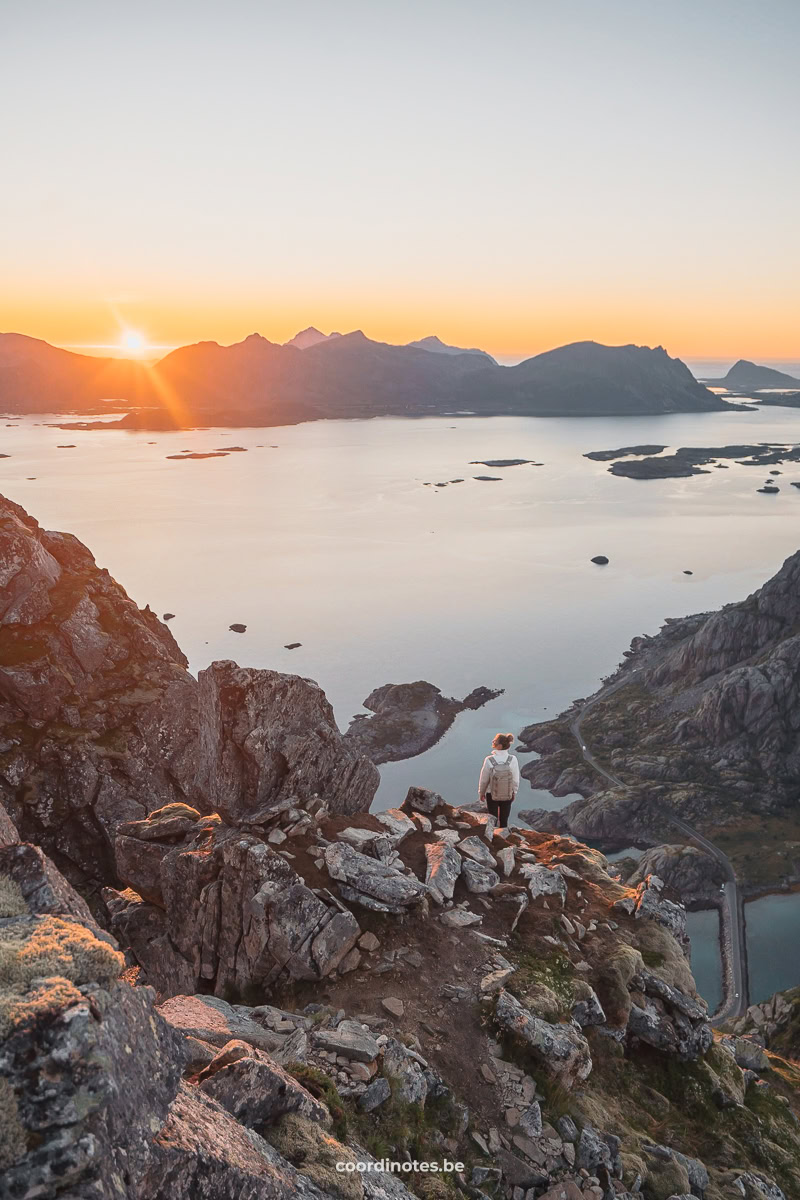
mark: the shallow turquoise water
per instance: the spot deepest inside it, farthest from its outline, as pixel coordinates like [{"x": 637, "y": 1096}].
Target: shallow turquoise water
[
  {"x": 773, "y": 945},
  {"x": 703, "y": 929}
]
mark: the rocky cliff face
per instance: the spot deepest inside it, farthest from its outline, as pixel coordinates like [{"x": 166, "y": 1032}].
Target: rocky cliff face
[
  {"x": 278, "y": 987},
  {"x": 705, "y": 721},
  {"x": 103, "y": 724},
  {"x": 510, "y": 1007}
]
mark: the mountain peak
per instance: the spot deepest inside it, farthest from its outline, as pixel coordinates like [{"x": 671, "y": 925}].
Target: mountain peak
[{"x": 311, "y": 336}]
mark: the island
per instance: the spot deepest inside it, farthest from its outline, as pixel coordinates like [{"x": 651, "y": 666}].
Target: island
[{"x": 408, "y": 718}]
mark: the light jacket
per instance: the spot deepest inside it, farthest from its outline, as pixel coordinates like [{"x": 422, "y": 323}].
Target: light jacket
[{"x": 486, "y": 771}]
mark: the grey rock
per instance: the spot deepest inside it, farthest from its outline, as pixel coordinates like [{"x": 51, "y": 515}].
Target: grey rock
[
  {"x": 748, "y": 1054},
  {"x": 561, "y": 1049},
  {"x": 44, "y": 889},
  {"x": 255, "y": 1089},
  {"x": 479, "y": 879},
  {"x": 216, "y": 1021},
  {"x": 530, "y": 1120},
  {"x": 376, "y": 1094},
  {"x": 567, "y": 1129},
  {"x": 543, "y": 881},
  {"x": 443, "y": 867},
  {"x": 460, "y": 918},
  {"x": 266, "y": 736},
  {"x": 111, "y": 1067},
  {"x": 372, "y": 878},
  {"x": 476, "y": 849},
  {"x": 356, "y": 1044},
  {"x": 398, "y": 825},
  {"x": 587, "y": 1009},
  {"x": 403, "y": 1066},
  {"x": 592, "y": 1151}
]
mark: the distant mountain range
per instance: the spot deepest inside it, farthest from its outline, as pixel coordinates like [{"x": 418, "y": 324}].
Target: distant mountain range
[
  {"x": 747, "y": 376},
  {"x": 258, "y": 382}
]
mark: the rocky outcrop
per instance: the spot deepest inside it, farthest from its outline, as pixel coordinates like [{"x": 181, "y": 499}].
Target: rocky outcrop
[
  {"x": 116, "y": 1118},
  {"x": 408, "y": 718},
  {"x": 561, "y": 1049},
  {"x": 700, "y": 721},
  {"x": 686, "y": 870},
  {"x": 211, "y": 906},
  {"x": 267, "y": 738},
  {"x": 102, "y": 724},
  {"x": 739, "y": 631},
  {"x": 606, "y": 816},
  {"x": 775, "y": 1023}
]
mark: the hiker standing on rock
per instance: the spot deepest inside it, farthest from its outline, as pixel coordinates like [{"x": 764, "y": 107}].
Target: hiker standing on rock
[{"x": 499, "y": 782}]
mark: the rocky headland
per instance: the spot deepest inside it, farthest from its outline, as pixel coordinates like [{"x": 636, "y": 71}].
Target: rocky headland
[
  {"x": 408, "y": 718},
  {"x": 263, "y": 984},
  {"x": 702, "y": 721}
]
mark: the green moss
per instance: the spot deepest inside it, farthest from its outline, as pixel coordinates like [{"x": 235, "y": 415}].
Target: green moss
[{"x": 322, "y": 1087}]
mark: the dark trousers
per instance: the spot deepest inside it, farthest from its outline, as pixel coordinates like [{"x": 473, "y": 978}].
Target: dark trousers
[{"x": 501, "y": 809}]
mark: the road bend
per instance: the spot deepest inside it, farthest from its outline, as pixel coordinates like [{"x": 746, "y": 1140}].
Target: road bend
[{"x": 732, "y": 928}]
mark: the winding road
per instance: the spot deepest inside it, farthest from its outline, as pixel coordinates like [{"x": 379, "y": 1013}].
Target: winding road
[{"x": 732, "y": 931}]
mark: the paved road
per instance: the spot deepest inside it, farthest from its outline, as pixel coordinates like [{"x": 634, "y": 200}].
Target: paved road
[{"x": 731, "y": 913}]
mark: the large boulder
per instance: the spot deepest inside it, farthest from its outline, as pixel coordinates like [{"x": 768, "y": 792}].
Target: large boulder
[
  {"x": 370, "y": 882},
  {"x": 666, "y": 1018},
  {"x": 562, "y": 1049}
]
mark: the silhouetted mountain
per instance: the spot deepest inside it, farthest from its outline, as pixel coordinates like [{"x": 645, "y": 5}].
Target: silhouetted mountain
[
  {"x": 748, "y": 376},
  {"x": 587, "y": 379},
  {"x": 310, "y": 337},
  {"x": 38, "y": 377},
  {"x": 257, "y": 382},
  {"x": 437, "y": 346}
]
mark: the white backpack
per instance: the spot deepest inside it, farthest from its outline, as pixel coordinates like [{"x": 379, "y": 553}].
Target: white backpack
[{"x": 502, "y": 780}]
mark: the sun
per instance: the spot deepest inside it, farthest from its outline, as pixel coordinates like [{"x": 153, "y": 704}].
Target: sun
[{"x": 131, "y": 340}]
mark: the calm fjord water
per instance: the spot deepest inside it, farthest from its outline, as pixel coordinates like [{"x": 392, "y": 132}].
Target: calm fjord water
[{"x": 325, "y": 534}]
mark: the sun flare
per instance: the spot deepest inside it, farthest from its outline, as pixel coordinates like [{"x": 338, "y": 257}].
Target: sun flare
[{"x": 131, "y": 340}]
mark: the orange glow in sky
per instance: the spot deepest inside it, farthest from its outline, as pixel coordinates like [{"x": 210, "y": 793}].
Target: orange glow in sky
[{"x": 512, "y": 177}]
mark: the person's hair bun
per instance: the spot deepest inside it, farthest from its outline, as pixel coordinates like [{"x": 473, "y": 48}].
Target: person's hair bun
[{"x": 503, "y": 740}]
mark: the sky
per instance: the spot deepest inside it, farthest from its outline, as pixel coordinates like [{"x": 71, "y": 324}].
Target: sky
[{"x": 513, "y": 174}]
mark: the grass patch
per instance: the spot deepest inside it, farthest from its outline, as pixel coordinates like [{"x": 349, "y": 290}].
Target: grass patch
[
  {"x": 396, "y": 1130},
  {"x": 543, "y": 982}
]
